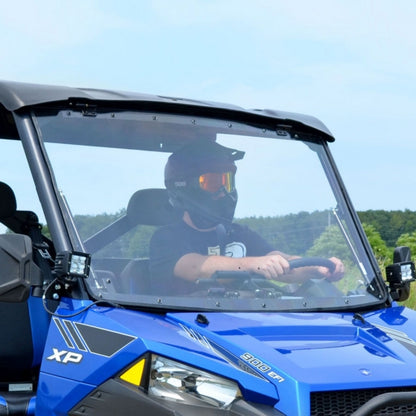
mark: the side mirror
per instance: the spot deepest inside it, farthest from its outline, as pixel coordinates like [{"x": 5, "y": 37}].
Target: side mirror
[
  {"x": 400, "y": 274},
  {"x": 17, "y": 269}
]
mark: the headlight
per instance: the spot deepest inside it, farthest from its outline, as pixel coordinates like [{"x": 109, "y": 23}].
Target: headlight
[{"x": 170, "y": 380}]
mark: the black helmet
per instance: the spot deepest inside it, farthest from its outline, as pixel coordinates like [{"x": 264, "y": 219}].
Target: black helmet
[{"x": 200, "y": 179}]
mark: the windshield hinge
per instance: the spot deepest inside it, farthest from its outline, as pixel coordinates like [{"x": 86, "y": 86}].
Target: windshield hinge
[
  {"x": 283, "y": 129},
  {"x": 86, "y": 109}
]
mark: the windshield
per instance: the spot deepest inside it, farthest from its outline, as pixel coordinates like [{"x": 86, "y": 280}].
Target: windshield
[{"x": 198, "y": 213}]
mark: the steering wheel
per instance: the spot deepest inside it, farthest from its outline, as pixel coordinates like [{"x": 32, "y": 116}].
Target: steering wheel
[
  {"x": 246, "y": 280},
  {"x": 312, "y": 261},
  {"x": 315, "y": 287},
  {"x": 294, "y": 264}
]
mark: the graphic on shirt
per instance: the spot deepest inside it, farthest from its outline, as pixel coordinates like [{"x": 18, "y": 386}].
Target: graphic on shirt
[
  {"x": 233, "y": 249},
  {"x": 214, "y": 251}
]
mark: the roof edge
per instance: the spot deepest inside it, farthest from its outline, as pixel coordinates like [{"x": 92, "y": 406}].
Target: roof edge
[{"x": 17, "y": 95}]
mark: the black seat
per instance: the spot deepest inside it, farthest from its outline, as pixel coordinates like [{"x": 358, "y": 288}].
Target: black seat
[
  {"x": 151, "y": 207},
  {"x": 146, "y": 207},
  {"x": 20, "y": 355},
  {"x": 16, "y": 347},
  {"x": 7, "y": 201}
]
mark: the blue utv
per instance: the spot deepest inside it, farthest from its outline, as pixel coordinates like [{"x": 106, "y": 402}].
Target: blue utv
[{"x": 84, "y": 329}]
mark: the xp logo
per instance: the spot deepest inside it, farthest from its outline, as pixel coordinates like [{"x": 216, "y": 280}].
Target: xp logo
[{"x": 65, "y": 357}]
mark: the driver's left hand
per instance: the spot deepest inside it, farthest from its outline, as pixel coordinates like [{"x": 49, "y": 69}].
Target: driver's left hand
[{"x": 338, "y": 272}]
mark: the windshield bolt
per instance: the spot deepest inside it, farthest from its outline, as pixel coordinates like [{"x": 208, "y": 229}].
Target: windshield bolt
[
  {"x": 218, "y": 304},
  {"x": 154, "y": 118},
  {"x": 347, "y": 301},
  {"x": 264, "y": 305},
  {"x": 113, "y": 115},
  {"x": 229, "y": 125},
  {"x": 305, "y": 304},
  {"x": 108, "y": 280},
  {"x": 159, "y": 300}
]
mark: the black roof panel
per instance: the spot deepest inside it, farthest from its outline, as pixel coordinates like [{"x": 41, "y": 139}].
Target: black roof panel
[{"x": 17, "y": 95}]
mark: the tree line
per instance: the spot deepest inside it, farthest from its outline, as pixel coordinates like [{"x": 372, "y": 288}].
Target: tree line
[
  {"x": 390, "y": 224},
  {"x": 386, "y": 230},
  {"x": 293, "y": 233},
  {"x": 304, "y": 233}
]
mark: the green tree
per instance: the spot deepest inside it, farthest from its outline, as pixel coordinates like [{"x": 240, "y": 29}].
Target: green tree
[
  {"x": 390, "y": 224},
  {"x": 378, "y": 245},
  {"x": 330, "y": 243},
  {"x": 409, "y": 240}
]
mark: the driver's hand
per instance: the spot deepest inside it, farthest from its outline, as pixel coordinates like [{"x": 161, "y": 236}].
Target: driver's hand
[
  {"x": 338, "y": 272},
  {"x": 272, "y": 266}
]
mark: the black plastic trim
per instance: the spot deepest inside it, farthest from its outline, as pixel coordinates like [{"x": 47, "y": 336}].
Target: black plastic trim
[
  {"x": 16, "y": 403},
  {"x": 116, "y": 397},
  {"x": 386, "y": 399}
]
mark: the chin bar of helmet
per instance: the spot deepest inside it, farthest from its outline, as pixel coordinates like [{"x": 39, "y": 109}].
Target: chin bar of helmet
[{"x": 184, "y": 202}]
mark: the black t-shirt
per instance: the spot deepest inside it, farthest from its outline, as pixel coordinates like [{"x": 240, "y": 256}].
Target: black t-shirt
[{"x": 173, "y": 241}]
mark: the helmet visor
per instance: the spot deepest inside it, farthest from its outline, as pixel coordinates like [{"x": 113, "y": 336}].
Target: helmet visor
[{"x": 212, "y": 182}]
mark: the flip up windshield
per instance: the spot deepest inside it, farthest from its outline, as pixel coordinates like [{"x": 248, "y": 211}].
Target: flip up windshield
[{"x": 199, "y": 213}]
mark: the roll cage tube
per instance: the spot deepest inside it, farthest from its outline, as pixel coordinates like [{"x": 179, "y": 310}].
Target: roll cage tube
[
  {"x": 45, "y": 186},
  {"x": 44, "y": 180}
]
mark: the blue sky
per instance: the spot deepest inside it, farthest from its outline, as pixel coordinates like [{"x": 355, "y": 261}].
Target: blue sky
[{"x": 350, "y": 63}]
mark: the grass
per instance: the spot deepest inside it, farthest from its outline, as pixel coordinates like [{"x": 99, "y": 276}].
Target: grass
[{"x": 411, "y": 301}]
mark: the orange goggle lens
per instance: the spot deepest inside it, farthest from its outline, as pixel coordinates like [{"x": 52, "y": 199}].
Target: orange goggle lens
[{"x": 213, "y": 182}]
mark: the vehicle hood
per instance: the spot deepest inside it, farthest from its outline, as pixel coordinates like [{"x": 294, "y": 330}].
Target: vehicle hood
[
  {"x": 321, "y": 350},
  {"x": 277, "y": 359}
]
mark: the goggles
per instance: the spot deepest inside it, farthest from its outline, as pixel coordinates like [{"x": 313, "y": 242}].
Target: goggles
[{"x": 213, "y": 182}]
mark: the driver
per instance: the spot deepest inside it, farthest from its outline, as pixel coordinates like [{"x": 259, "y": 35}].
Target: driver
[{"x": 199, "y": 178}]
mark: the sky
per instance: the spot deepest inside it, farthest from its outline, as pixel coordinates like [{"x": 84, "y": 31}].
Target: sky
[{"x": 350, "y": 63}]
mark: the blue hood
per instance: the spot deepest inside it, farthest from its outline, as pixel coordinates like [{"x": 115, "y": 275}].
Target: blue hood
[
  {"x": 278, "y": 359},
  {"x": 309, "y": 352}
]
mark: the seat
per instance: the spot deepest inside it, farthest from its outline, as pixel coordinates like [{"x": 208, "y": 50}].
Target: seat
[
  {"x": 147, "y": 207},
  {"x": 23, "y": 325},
  {"x": 135, "y": 277},
  {"x": 7, "y": 201},
  {"x": 151, "y": 207}
]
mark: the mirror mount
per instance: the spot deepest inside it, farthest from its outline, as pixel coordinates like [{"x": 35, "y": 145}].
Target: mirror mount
[{"x": 401, "y": 274}]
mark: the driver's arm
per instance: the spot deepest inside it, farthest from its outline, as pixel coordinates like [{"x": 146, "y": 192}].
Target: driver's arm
[
  {"x": 192, "y": 266},
  {"x": 274, "y": 265}
]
